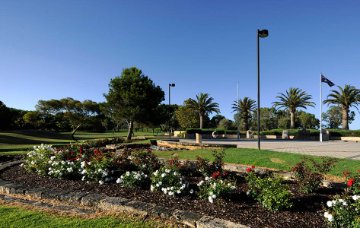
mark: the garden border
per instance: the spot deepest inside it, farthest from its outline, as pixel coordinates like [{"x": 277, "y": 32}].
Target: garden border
[{"x": 113, "y": 204}]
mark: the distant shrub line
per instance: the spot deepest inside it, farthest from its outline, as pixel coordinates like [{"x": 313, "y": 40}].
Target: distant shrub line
[{"x": 278, "y": 132}]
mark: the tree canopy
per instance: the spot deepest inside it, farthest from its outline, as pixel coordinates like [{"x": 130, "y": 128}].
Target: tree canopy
[{"x": 133, "y": 97}]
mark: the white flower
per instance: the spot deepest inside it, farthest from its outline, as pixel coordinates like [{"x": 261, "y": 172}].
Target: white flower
[
  {"x": 83, "y": 178},
  {"x": 329, "y": 203},
  {"x": 83, "y": 172},
  {"x": 207, "y": 178},
  {"x": 167, "y": 170},
  {"x": 171, "y": 193},
  {"x": 69, "y": 169},
  {"x": 210, "y": 199},
  {"x": 52, "y": 158},
  {"x": 101, "y": 182},
  {"x": 178, "y": 191},
  {"x": 163, "y": 175},
  {"x": 213, "y": 196},
  {"x": 32, "y": 162},
  {"x": 156, "y": 173},
  {"x": 200, "y": 183},
  {"x": 118, "y": 180},
  {"x": 330, "y": 217},
  {"x": 152, "y": 188},
  {"x": 175, "y": 173},
  {"x": 191, "y": 191},
  {"x": 355, "y": 197}
]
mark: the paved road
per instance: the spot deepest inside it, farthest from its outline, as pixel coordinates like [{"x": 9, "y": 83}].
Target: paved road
[{"x": 338, "y": 149}]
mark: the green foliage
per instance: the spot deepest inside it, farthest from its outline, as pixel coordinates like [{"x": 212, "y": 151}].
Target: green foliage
[
  {"x": 207, "y": 168},
  {"x": 343, "y": 211},
  {"x": 307, "y": 120},
  {"x": 225, "y": 124},
  {"x": 133, "y": 179},
  {"x": 333, "y": 117},
  {"x": 212, "y": 189},
  {"x": 310, "y": 173},
  {"x": 133, "y": 97},
  {"x": 293, "y": 99},
  {"x": 168, "y": 180},
  {"x": 103, "y": 142},
  {"x": 344, "y": 133},
  {"x": 269, "y": 191},
  {"x": 245, "y": 107},
  {"x": 37, "y": 160},
  {"x": 203, "y": 105},
  {"x": 346, "y": 98},
  {"x": 187, "y": 117}
]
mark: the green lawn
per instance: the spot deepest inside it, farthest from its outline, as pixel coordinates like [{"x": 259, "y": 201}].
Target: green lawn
[
  {"x": 263, "y": 158},
  {"x": 17, "y": 142},
  {"x": 11, "y": 216}
]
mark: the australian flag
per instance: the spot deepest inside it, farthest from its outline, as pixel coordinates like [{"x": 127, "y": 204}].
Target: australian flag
[{"x": 327, "y": 81}]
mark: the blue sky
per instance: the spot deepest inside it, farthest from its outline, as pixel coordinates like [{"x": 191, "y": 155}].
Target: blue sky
[{"x": 65, "y": 48}]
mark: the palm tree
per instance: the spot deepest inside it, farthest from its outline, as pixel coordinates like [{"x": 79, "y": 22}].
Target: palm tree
[
  {"x": 346, "y": 97},
  {"x": 203, "y": 105},
  {"x": 244, "y": 107},
  {"x": 293, "y": 98}
]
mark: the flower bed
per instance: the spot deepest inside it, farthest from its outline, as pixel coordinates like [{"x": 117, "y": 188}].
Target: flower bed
[{"x": 251, "y": 199}]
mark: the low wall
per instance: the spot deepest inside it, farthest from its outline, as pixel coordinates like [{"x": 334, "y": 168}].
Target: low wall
[{"x": 192, "y": 146}]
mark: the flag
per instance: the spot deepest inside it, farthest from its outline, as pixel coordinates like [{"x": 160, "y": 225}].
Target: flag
[{"x": 327, "y": 81}]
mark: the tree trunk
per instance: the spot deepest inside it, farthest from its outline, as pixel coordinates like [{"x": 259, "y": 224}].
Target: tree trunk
[
  {"x": 74, "y": 131},
  {"x": 345, "y": 118},
  {"x": 130, "y": 130},
  {"x": 292, "y": 119},
  {"x": 201, "y": 121},
  {"x": 246, "y": 124}
]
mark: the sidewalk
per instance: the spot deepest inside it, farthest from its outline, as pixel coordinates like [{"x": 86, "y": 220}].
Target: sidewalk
[{"x": 337, "y": 149}]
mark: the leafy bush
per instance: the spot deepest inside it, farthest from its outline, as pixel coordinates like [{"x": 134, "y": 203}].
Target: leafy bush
[
  {"x": 212, "y": 189},
  {"x": 207, "y": 168},
  {"x": 167, "y": 180},
  {"x": 133, "y": 179},
  {"x": 310, "y": 174},
  {"x": 268, "y": 190},
  {"x": 145, "y": 160},
  {"x": 37, "y": 160},
  {"x": 344, "y": 133},
  {"x": 343, "y": 212},
  {"x": 103, "y": 142},
  {"x": 97, "y": 169}
]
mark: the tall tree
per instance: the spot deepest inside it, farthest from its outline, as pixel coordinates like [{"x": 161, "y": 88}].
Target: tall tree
[
  {"x": 204, "y": 105},
  {"x": 73, "y": 111},
  {"x": 333, "y": 117},
  {"x": 293, "y": 99},
  {"x": 133, "y": 97},
  {"x": 244, "y": 106},
  {"x": 186, "y": 116},
  {"x": 346, "y": 97}
]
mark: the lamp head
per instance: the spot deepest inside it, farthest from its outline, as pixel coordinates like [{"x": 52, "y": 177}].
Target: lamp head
[
  {"x": 172, "y": 84},
  {"x": 263, "y": 33}
]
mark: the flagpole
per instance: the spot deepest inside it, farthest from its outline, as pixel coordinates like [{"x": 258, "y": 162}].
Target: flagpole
[{"x": 320, "y": 109}]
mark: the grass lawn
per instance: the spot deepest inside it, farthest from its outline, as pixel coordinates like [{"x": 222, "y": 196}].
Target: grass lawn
[
  {"x": 263, "y": 158},
  {"x": 18, "y": 142},
  {"x": 11, "y": 216}
]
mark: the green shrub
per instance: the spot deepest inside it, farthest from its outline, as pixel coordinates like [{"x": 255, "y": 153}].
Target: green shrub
[
  {"x": 133, "y": 179},
  {"x": 168, "y": 180},
  {"x": 310, "y": 174},
  {"x": 268, "y": 190},
  {"x": 212, "y": 189},
  {"x": 343, "y": 211},
  {"x": 207, "y": 168}
]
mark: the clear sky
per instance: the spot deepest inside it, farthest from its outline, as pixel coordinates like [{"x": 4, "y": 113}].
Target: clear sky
[{"x": 67, "y": 48}]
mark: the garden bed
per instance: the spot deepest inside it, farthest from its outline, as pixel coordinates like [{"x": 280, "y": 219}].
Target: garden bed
[{"x": 307, "y": 210}]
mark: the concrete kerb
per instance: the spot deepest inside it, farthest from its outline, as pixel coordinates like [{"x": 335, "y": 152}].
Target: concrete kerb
[{"x": 108, "y": 204}]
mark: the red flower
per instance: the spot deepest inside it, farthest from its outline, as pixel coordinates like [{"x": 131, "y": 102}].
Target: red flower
[
  {"x": 350, "y": 182},
  {"x": 224, "y": 174},
  {"x": 215, "y": 175},
  {"x": 253, "y": 167},
  {"x": 248, "y": 169}
]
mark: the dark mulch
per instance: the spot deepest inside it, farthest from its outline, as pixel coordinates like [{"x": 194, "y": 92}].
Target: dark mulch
[{"x": 307, "y": 210}]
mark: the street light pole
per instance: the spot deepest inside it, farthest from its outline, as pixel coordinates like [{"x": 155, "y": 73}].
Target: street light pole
[
  {"x": 260, "y": 34},
  {"x": 170, "y": 85}
]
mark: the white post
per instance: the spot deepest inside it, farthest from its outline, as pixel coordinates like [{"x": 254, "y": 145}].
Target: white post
[{"x": 320, "y": 109}]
